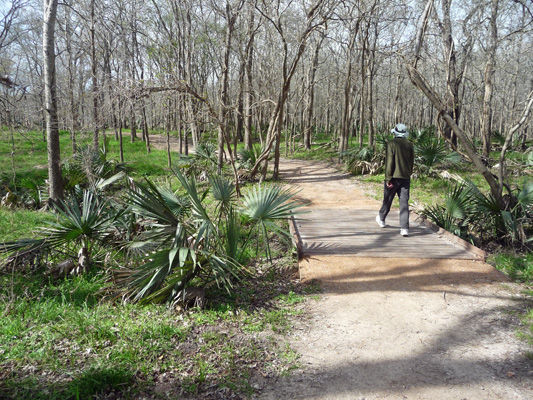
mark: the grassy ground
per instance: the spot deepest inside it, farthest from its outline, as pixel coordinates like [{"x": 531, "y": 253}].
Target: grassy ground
[
  {"x": 63, "y": 339},
  {"x": 71, "y": 338},
  {"x": 30, "y": 155}
]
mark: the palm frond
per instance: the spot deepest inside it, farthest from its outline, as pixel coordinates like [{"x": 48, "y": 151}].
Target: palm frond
[
  {"x": 459, "y": 201},
  {"x": 453, "y": 158},
  {"x": 430, "y": 151},
  {"x": 159, "y": 204},
  {"x": 222, "y": 190},
  {"x": 206, "y": 151},
  {"x": 86, "y": 224},
  {"x": 269, "y": 203},
  {"x": 525, "y": 197},
  {"x": 25, "y": 252},
  {"x": 199, "y": 212},
  {"x": 103, "y": 183}
]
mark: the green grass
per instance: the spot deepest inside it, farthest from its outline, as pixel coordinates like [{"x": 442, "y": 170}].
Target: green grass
[
  {"x": 317, "y": 153},
  {"x": 62, "y": 339},
  {"x": 518, "y": 267},
  {"x": 30, "y": 156},
  {"x": 526, "y": 333},
  {"x": 19, "y": 223}
]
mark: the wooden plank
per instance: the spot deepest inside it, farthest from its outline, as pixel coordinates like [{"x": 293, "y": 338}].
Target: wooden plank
[{"x": 355, "y": 232}]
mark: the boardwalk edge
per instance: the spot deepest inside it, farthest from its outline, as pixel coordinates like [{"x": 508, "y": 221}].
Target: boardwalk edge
[
  {"x": 296, "y": 239},
  {"x": 476, "y": 251}
]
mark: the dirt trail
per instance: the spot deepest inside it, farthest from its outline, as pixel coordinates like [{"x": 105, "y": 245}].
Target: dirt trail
[{"x": 400, "y": 328}]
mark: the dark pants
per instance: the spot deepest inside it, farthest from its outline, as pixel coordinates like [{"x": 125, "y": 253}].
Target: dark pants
[{"x": 401, "y": 187}]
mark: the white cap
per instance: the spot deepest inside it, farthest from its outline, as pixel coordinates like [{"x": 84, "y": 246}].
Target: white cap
[{"x": 400, "y": 130}]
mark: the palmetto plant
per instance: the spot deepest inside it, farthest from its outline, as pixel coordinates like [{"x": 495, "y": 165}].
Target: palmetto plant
[
  {"x": 518, "y": 219},
  {"x": 207, "y": 152},
  {"x": 92, "y": 167},
  {"x": 266, "y": 205},
  {"x": 366, "y": 160},
  {"x": 80, "y": 229},
  {"x": 431, "y": 150},
  {"x": 248, "y": 157},
  {"x": 456, "y": 212},
  {"x": 466, "y": 211},
  {"x": 35, "y": 191},
  {"x": 193, "y": 237}
]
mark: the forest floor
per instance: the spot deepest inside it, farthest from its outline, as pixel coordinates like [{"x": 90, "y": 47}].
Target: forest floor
[{"x": 400, "y": 328}]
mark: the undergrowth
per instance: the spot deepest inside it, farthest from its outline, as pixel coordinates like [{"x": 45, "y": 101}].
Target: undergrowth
[{"x": 64, "y": 339}]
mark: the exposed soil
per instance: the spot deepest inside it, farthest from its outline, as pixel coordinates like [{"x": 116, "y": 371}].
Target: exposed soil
[{"x": 401, "y": 328}]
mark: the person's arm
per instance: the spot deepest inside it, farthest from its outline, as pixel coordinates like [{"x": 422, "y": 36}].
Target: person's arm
[
  {"x": 412, "y": 155},
  {"x": 389, "y": 163}
]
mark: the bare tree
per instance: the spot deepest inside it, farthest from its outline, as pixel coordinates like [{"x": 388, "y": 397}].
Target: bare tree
[
  {"x": 55, "y": 181},
  {"x": 496, "y": 186},
  {"x": 230, "y": 14},
  {"x": 315, "y": 17},
  {"x": 8, "y": 36},
  {"x": 454, "y": 69},
  {"x": 248, "y": 92},
  {"x": 486, "y": 125},
  {"x": 311, "y": 93},
  {"x": 96, "y": 122},
  {"x": 354, "y": 23}
]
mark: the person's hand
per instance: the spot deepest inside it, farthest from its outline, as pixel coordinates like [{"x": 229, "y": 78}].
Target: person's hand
[{"x": 390, "y": 185}]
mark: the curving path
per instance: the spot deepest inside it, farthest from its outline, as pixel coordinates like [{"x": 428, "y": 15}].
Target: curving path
[{"x": 399, "y": 318}]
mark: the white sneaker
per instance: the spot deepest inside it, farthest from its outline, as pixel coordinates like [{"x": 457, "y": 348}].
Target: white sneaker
[
  {"x": 404, "y": 232},
  {"x": 380, "y": 222}
]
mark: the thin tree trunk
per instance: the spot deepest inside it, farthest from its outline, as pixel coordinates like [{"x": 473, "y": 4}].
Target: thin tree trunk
[
  {"x": 96, "y": 128},
  {"x": 311, "y": 96},
  {"x": 52, "y": 129},
  {"x": 167, "y": 126},
  {"x": 222, "y": 115},
  {"x": 146, "y": 134},
  {"x": 248, "y": 94},
  {"x": 133, "y": 123},
  {"x": 348, "y": 98},
  {"x": 362, "y": 103},
  {"x": 489, "y": 74},
  {"x": 70, "y": 87}
]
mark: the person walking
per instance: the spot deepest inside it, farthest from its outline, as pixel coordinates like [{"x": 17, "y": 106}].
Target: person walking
[{"x": 399, "y": 161}]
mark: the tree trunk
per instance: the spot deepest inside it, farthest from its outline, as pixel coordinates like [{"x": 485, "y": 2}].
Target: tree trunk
[
  {"x": 95, "y": 80},
  {"x": 222, "y": 115},
  {"x": 348, "y": 99},
  {"x": 73, "y": 125},
  {"x": 52, "y": 129},
  {"x": 489, "y": 74},
  {"x": 133, "y": 123},
  {"x": 311, "y": 96},
  {"x": 120, "y": 143},
  {"x": 362, "y": 103},
  {"x": 167, "y": 128},
  {"x": 248, "y": 94},
  {"x": 453, "y": 107}
]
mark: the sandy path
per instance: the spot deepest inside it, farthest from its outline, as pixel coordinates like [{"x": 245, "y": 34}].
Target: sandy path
[{"x": 401, "y": 328}]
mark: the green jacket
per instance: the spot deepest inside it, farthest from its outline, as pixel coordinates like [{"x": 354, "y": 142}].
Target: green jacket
[{"x": 400, "y": 159}]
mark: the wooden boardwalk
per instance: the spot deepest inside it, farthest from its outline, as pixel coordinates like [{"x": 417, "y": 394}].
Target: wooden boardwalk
[
  {"x": 340, "y": 220},
  {"x": 356, "y": 233}
]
